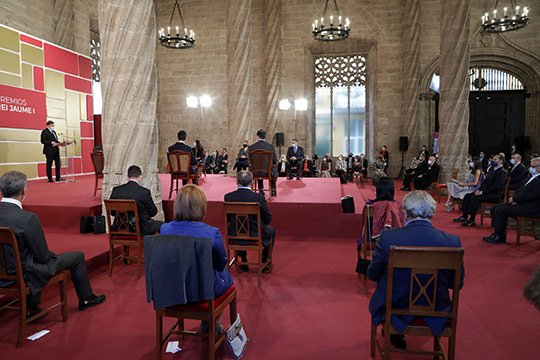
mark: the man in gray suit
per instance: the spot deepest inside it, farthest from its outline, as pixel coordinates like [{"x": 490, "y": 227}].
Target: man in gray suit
[{"x": 38, "y": 262}]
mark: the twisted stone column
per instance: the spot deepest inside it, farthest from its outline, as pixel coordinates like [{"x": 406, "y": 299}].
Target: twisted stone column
[
  {"x": 273, "y": 58},
  {"x": 129, "y": 88},
  {"x": 454, "y": 87},
  {"x": 239, "y": 73},
  {"x": 413, "y": 126}
]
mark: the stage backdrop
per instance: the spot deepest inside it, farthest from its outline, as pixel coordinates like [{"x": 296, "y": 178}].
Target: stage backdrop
[{"x": 40, "y": 81}]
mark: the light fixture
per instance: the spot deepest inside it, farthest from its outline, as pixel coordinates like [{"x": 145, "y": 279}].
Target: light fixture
[
  {"x": 300, "y": 104},
  {"x": 331, "y": 31},
  {"x": 284, "y": 104},
  {"x": 183, "y": 38},
  {"x": 201, "y": 102},
  {"x": 512, "y": 19}
]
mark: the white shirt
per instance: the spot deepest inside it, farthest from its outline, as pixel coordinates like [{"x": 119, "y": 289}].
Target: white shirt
[
  {"x": 12, "y": 201},
  {"x": 532, "y": 178}
]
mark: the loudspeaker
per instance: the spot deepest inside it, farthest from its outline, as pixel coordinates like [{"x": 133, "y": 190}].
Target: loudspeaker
[
  {"x": 280, "y": 139},
  {"x": 347, "y": 204},
  {"x": 403, "y": 143},
  {"x": 99, "y": 224}
]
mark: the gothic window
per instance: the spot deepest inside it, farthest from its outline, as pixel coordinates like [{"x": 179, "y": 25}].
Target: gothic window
[
  {"x": 340, "y": 104},
  {"x": 95, "y": 54},
  {"x": 488, "y": 79}
]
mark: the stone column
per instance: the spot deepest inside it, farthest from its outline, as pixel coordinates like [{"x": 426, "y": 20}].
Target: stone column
[
  {"x": 413, "y": 126},
  {"x": 63, "y": 19},
  {"x": 273, "y": 58},
  {"x": 129, "y": 88},
  {"x": 454, "y": 87},
  {"x": 239, "y": 73}
]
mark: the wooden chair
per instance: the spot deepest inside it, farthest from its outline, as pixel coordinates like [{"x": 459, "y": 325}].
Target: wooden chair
[
  {"x": 487, "y": 205},
  {"x": 125, "y": 231},
  {"x": 439, "y": 187},
  {"x": 426, "y": 261},
  {"x": 260, "y": 162},
  {"x": 368, "y": 244},
  {"x": 97, "y": 161},
  {"x": 520, "y": 230},
  {"x": 10, "y": 257},
  {"x": 179, "y": 166},
  {"x": 237, "y": 216},
  {"x": 208, "y": 310}
]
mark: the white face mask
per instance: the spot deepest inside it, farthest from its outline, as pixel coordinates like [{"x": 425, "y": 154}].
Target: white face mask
[
  {"x": 52, "y": 128},
  {"x": 471, "y": 164},
  {"x": 384, "y": 148},
  {"x": 194, "y": 144},
  {"x": 429, "y": 162}
]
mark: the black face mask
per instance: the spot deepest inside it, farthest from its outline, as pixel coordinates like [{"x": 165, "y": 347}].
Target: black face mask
[{"x": 244, "y": 145}]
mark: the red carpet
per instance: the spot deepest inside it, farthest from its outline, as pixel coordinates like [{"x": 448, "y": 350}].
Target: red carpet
[{"x": 311, "y": 306}]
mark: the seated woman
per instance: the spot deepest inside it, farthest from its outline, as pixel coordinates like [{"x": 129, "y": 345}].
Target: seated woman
[
  {"x": 198, "y": 151},
  {"x": 356, "y": 170},
  {"x": 378, "y": 167},
  {"x": 242, "y": 161},
  {"x": 326, "y": 166},
  {"x": 473, "y": 180},
  {"x": 189, "y": 212},
  {"x": 315, "y": 165},
  {"x": 341, "y": 169}
]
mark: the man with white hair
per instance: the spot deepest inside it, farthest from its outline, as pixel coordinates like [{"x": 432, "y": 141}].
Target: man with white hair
[{"x": 419, "y": 208}]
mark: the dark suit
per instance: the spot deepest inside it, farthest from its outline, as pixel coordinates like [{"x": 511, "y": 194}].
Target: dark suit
[
  {"x": 268, "y": 233},
  {"x": 222, "y": 163},
  {"x": 518, "y": 176},
  {"x": 210, "y": 160},
  {"x": 38, "y": 262},
  {"x": 415, "y": 233},
  {"x": 52, "y": 153},
  {"x": 145, "y": 205},
  {"x": 413, "y": 173},
  {"x": 299, "y": 154},
  {"x": 492, "y": 189},
  {"x": 430, "y": 175},
  {"x": 180, "y": 146},
  {"x": 263, "y": 145},
  {"x": 527, "y": 203},
  {"x": 485, "y": 164}
]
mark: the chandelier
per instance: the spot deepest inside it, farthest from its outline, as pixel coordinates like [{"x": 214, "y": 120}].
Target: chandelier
[
  {"x": 331, "y": 31},
  {"x": 181, "y": 39},
  {"x": 513, "y": 19}
]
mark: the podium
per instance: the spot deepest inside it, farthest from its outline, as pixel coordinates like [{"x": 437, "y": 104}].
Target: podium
[{"x": 69, "y": 161}]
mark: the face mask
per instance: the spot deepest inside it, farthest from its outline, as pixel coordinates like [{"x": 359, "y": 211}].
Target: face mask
[
  {"x": 532, "y": 171},
  {"x": 429, "y": 162},
  {"x": 493, "y": 163},
  {"x": 384, "y": 148},
  {"x": 423, "y": 149},
  {"x": 194, "y": 144},
  {"x": 420, "y": 158},
  {"x": 471, "y": 164},
  {"x": 513, "y": 148},
  {"x": 223, "y": 152},
  {"x": 361, "y": 157},
  {"x": 52, "y": 128},
  {"x": 481, "y": 156},
  {"x": 324, "y": 159},
  {"x": 245, "y": 145},
  {"x": 513, "y": 161}
]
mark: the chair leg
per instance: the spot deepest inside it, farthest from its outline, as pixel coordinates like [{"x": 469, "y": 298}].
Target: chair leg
[
  {"x": 451, "y": 348},
  {"x": 111, "y": 254},
  {"x": 159, "y": 335},
  {"x": 365, "y": 284},
  {"x": 63, "y": 299},
  {"x": 373, "y": 341},
  {"x": 22, "y": 321},
  {"x": 212, "y": 338},
  {"x": 386, "y": 348},
  {"x": 259, "y": 268},
  {"x": 95, "y": 186},
  {"x": 170, "y": 191},
  {"x": 518, "y": 230},
  {"x": 232, "y": 310},
  {"x": 139, "y": 262}
]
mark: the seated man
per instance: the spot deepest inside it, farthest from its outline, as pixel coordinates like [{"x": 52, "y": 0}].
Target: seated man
[
  {"x": 261, "y": 144},
  {"x": 38, "y": 262},
  {"x": 295, "y": 156},
  {"x": 210, "y": 163},
  {"x": 180, "y": 145},
  {"x": 413, "y": 172},
  {"x": 419, "y": 209},
  {"x": 307, "y": 167},
  {"x": 143, "y": 197},
  {"x": 431, "y": 174},
  {"x": 524, "y": 202},
  {"x": 491, "y": 190},
  {"x": 517, "y": 173},
  {"x": 244, "y": 194},
  {"x": 222, "y": 162}
]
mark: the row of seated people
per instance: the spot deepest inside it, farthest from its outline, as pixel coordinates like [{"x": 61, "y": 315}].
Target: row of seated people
[{"x": 422, "y": 172}]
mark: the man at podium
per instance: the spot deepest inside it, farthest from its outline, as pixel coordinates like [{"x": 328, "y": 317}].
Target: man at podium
[{"x": 50, "y": 142}]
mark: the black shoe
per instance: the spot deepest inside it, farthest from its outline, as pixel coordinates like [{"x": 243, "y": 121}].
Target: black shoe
[
  {"x": 261, "y": 192},
  {"x": 91, "y": 301},
  {"x": 405, "y": 189},
  {"x": 496, "y": 239},
  {"x": 485, "y": 238},
  {"x": 468, "y": 223},
  {"x": 398, "y": 341},
  {"x": 34, "y": 310},
  {"x": 298, "y": 178},
  {"x": 50, "y": 180},
  {"x": 244, "y": 268},
  {"x": 60, "y": 179},
  {"x": 289, "y": 177},
  {"x": 460, "y": 219},
  {"x": 274, "y": 193},
  {"x": 268, "y": 268}
]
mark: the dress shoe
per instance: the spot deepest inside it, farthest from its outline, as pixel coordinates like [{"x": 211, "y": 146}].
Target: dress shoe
[
  {"x": 34, "y": 310},
  {"x": 60, "y": 179},
  {"x": 268, "y": 268},
  {"x": 273, "y": 192},
  {"x": 298, "y": 178},
  {"x": 289, "y": 177},
  {"x": 261, "y": 192},
  {"x": 92, "y": 300},
  {"x": 50, "y": 181},
  {"x": 495, "y": 239},
  {"x": 489, "y": 237},
  {"x": 468, "y": 223},
  {"x": 405, "y": 189},
  {"x": 460, "y": 219}
]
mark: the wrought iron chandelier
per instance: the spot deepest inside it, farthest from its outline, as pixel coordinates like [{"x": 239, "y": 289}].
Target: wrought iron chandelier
[
  {"x": 182, "y": 39},
  {"x": 512, "y": 19},
  {"x": 331, "y": 31}
]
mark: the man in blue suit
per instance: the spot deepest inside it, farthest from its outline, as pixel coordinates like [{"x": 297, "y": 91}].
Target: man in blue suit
[
  {"x": 419, "y": 208},
  {"x": 295, "y": 157}
]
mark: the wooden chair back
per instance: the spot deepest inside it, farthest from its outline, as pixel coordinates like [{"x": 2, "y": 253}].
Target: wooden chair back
[
  {"x": 97, "y": 161},
  {"x": 124, "y": 230},
  {"x": 239, "y": 228},
  {"x": 260, "y": 162},
  {"x": 368, "y": 246},
  {"x": 179, "y": 162},
  {"x": 11, "y": 271},
  {"x": 424, "y": 264}
]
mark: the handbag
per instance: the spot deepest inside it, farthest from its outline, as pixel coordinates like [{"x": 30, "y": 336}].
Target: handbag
[
  {"x": 236, "y": 338},
  {"x": 87, "y": 224}
]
